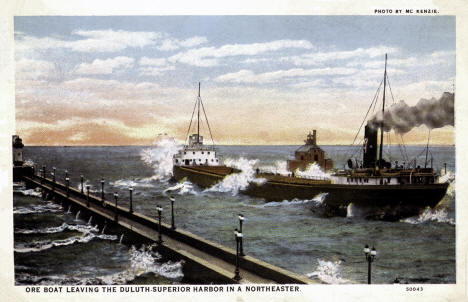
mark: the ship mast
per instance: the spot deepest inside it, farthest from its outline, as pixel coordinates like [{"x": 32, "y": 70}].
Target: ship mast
[{"x": 383, "y": 115}]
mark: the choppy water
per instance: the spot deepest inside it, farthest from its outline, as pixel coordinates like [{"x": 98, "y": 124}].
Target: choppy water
[{"x": 53, "y": 247}]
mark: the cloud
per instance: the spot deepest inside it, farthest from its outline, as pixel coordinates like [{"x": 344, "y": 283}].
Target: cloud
[
  {"x": 322, "y": 57},
  {"x": 91, "y": 41},
  {"x": 153, "y": 61},
  {"x": 174, "y": 44},
  {"x": 248, "y": 76},
  {"x": 107, "y": 66},
  {"x": 154, "y": 71},
  {"x": 33, "y": 69},
  {"x": 209, "y": 56}
]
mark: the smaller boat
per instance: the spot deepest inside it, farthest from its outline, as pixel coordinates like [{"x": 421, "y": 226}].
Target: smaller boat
[{"x": 197, "y": 160}]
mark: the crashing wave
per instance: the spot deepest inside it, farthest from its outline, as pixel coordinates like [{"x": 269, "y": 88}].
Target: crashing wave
[
  {"x": 38, "y": 246},
  {"x": 317, "y": 201},
  {"x": 141, "y": 262},
  {"x": 280, "y": 167},
  {"x": 313, "y": 171},
  {"x": 29, "y": 192},
  {"x": 64, "y": 226},
  {"x": 126, "y": 183},
  {"x": 144, "y": 261},
  {"x": 238, "y": 181},
  {"x": 329, "y": 272},
  {"x": 182, "y": 188},
  {"x": 428, "y": 215},
  {"x": 42, "y": 208},
  {"x": 160, "y": 157}
]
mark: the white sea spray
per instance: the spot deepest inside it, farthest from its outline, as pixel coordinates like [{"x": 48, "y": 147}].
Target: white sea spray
[
  {"x": 313, "y": 171},
  {"x": 236, "y": 182},
  {"x": 428, "y": 215},
  {"x": 160, "y": 156},
  {"x": 329, "y": 272}
]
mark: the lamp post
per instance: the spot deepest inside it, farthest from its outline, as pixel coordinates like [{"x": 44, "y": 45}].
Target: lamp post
[
  {"x": 87, "y": 196},
  {"x": 66, "y": 173},
  {"x": 53, "y": 175},
  {"x": 41, "y": 174},
  {"x": 102, "y": 190},
  {"x": 67, "y": 180},
  {"x": 130, "y": 190},
  {"x": 241, "y": 247},
  {"x": 237, "y": 235},
  {"x": 82, "y": 180},
  {"x": 370, "y": 256},
  {"x": 44, "y": 171},
  {"x": 159, "y": 224},
  {"x": 53, "y": 180},
  {"x": 116, "y": 196},
  {"x": 172, "y": 199}
]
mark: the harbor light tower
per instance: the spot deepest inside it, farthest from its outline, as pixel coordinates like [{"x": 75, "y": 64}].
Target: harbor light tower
[{"x": 17, "y": 151}]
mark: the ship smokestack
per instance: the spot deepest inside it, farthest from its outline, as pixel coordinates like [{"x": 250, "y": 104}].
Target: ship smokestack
[{"x": 370, "y": 146}]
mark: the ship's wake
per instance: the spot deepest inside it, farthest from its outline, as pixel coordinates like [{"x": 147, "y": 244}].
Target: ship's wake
[
  {"x": 237, "y": 182},
  {"x": 159, "y": 157},
  {"x": 328, "y": 272}
]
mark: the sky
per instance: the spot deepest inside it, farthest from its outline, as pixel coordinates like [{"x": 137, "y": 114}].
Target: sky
[{"x": 264, "y": 79}]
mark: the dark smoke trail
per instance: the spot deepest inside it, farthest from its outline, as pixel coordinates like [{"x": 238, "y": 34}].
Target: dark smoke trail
[{"x": 433, "y": 113}]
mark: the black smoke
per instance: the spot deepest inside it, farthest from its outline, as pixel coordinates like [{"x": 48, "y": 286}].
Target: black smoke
[{"x": 433, "y": 113}]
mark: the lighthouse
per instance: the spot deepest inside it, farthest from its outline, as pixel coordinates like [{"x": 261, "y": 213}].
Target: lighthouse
[{"x": 17, "y": 151}]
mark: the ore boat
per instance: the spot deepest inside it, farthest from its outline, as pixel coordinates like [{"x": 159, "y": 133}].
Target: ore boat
[{"x": 390, "y": 191}]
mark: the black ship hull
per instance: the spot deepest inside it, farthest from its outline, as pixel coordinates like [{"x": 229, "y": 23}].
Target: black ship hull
[{"x": 408, "y": 199}]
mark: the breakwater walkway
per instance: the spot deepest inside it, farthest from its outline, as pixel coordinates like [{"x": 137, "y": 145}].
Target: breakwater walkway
[{"x": 215, "y": 262}]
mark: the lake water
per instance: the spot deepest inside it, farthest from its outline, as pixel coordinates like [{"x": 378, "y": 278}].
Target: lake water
[{"x": 56, "y": 247}]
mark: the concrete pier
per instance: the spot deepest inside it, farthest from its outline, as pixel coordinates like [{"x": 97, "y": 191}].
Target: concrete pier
[{"x": 217, "y": 262}]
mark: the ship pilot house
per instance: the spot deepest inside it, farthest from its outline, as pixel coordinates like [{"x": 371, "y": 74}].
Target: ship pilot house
[{"x": 309, "y": 154}]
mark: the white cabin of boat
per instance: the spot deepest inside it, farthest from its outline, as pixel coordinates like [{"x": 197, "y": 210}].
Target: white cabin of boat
[{"x": 196, "y": 154}]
